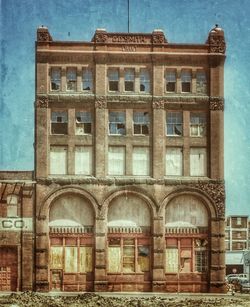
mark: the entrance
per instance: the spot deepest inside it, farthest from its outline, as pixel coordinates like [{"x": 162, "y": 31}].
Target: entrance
[{"x": 8, "y": 269}]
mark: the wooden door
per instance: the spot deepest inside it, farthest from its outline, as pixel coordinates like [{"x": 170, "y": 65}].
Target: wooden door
[{"x": 8, "y": 269}]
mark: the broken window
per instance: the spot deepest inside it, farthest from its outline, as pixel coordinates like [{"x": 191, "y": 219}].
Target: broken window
[
  {"x": 197, "y": 124},
  {"x": 171, "y": 81},
  {"x": 71, "y": 77},
  {"x": 87, "y": 79},
  {"x": 143, "y": 258},
  {"x": 186, "y": 79},
  {"x": 83, "y": 122},
  {"x": 141, "y": 123},
  {"x": 201, "y": 82},
  {"x": 144, "y": 80},
  {"x": 55, "y": 79},
  {"x": 117, "y": 123},
  {"x": 113, "y": 79},
  {"x": 174, "y": 123},
  {"x": 59, "y": 122},
  {"x": 141, "y": 161},
  {"x": 58, "y": 160},
  {"x": 129, "y": 79},
  {"x": 116, "y": 160},
  {"x": 12, "y": 202},
  {"x": 198, "y": 162},
  {"x": 174, "y": 161},
  {"x": 83, "y": 160}
]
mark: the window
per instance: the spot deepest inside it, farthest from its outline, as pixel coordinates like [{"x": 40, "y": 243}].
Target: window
[
  {"x": 144, "y": 80},
  {"x": 171, "y": 81},
  {"x": 186, "y": 79},
  {"x": 197, "y": 124},
  {"x": 113, "y": 77},
  {"x": 83, "y": 160},
  {"x": 71, "y": 79},
  {"x": 174, "y": 161},
  {"x": 172, "y": 259},
  {"x": 141, "y": 123},
  {"x": 70, "y": 263},
  {"x": 238, "y": 221},
  {"x": 12, "y": 202},
  {"x": 87, "y": 79},
  {"x": 141, "y": 161},
  {"x": 116, "y": 160},
  {"x": 201, "y": 260},
  {"x": 201, "y": 82},
  {"x": 117, "y": 123},
  {"x": 58, "y": 160},
  {"x": 83, "y": 122},
  {"x": 198, "y": 163},
  {"x": 174, "y": 123},
  {"x": 129, "y": 79},
  {"x": 59, "y": 122},
  {"x": 55, "y": 79}
]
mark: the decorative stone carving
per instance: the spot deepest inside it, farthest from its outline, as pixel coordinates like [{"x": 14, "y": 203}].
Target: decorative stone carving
[
  {"x": 42, "y": 102},
  {"x": 217, "y": 104},
  {"x": 43, "y": 35},
  {"x": 101, "y": 102},
  {"x": 101, "y": 37},
  {"x": 217, "y": 44},
  {"x": 158, "y": 39},
  {"x": 158, "y": 104}
]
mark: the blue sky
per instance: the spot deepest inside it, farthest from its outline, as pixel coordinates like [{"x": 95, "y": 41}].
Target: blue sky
[{"x": 181, "y": 20}]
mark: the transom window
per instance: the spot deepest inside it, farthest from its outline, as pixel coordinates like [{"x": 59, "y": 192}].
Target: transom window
[
  {"x": 171, "y": 81},
  {"x": 71, "y": 79},
  {"x": 113, "y": 79},
  {"x": 141, "y": 123},
  {"x": 83, "y": 122},
  {"x": 174, "y": 123},
  {"x": 117, "y": 123},
  {"x": 201, "y": 82},
  {"x": 144, "y": 80},
  {"x": 129, "y": 79},
  {"x": 87, "y": 79},
  {"x": 186, "y": 79},
  {"x": 197, "y": 124},
  {"x": 55, "y": 78},
  {"x": 59, "y": 122}
]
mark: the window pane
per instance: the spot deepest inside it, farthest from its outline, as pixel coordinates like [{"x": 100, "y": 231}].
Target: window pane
[
  {"x": 201, "y": 260},
  {"x": 197, "y": 124},
  {"x": 55, "y": 79},
  {"x": 144, "y": 80},
  {"x": 114, "y": 259},
  {"x": 71, "y": 79},
  {"x": 172, "y": 257},
  {"x": 70, "y": 263},
  {"x": 87, "y": 79},
  {"x": 143, "y": 258},
  {"x": 201, "y": 82},
  {"x": 141, "y": 123},
  {"x": 116, "y": 160},
  {"x": 185, "y": 260},
  {"x": 174, "y": 161},
  {"x": 113, "y": 76},
  {"x": 56, "y": 257},
  {"x": 141, "y": 161},
  {"x": 174, "y": 123},
  {"x": 186, "y": 79},
  {"x": 128, "y": 259},
  {"x": 58, "y": 160},
  {"x": 59, "y": 122},
  {"x": 170, "y": 81},
  {"x": 83, "y": 160},
  {"x": 86, "y": 255},
  {"x": 83, "y": 122},
  {"x": 198, "y": 162},
  {"x": 117, "y": 123}
]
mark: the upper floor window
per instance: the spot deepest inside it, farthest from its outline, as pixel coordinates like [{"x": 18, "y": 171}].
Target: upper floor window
[
  {"x": 197, "y": 124},
  {"x": 198, "y": 162},
  {"x": 171, "y": 81},
  {"x": 117, "y": 123},
  {"x": 87, "y": 79},
  {"x": 140, "y": 161},
  {"x": 141, "y": 123},
  {"x": 58, "y": 160},
  {"x": 83, "y": 160},
  {"x": 83, "y": 122},
  {"x": 59, "y": 122},
  {"x": 12, "y": 202},
  {"x": 238, "y": 221},
  {"x": 113, "y": 79},
  {"x": 174, "y": 123},
  {"x": 201, "y": 82},
  {"x": 129, "y": 79},
  {"x": 144, "y": 80},
  {"x": 55, "y": 79},
  {"x": 71, "y": 79},
  {"x": 116, "y": 160},
  {"x": 186, "y": 80},
  {"x": 174, "y": 161}
]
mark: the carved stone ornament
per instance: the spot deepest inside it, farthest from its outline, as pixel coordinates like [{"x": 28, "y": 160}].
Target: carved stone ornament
[
  {"x": 42, "y": 103},
  {"x": 101, "y": 102},
  {"x": 101, "y": 37},
  {"x": 217, "y": 103},
  {"x": 158, "y": 104},
  {"x": 217, "y": 192},
  {"x": 158, "y": 39},
  {"x": 217, "y": 44}
]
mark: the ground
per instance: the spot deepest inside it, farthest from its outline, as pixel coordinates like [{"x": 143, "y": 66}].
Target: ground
[{"x": 28, "y": 299}]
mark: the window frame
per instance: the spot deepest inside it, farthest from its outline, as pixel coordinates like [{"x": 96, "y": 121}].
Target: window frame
[
  {"x": 186, "y": 81},
  {"x": 193, "y": 149},
  {"x": 201, "y": 124},
  {"x": 111, "y": 162},
  {"x": 116, "y": 79},
  {"x": 87, "y": 71},
  {"x": 89, "y": 150},
  {"x": 57, "y": 81},
  {"x": 71, "y": 81},
  {"x": 180, "y": 173},
  {"x": 142, "y": 125},
  {"x": 85, "y": 121},
  {"x": 144, "y": 78},
  {"x": 115, "y": 122},
  {"x": 55, "y": 123},
  {"x": 201, "y": 83},
  {"x": 169, "y": 80},
  {"x": 175, "y": 122},
  {"x": 64, "y": 170},
  {"x": 147, "y": 170},
  {"x": 129, "y": 79}
]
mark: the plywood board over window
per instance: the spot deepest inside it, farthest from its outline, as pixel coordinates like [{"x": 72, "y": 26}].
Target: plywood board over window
[
  {"x": 198, "y": 162},
  {"x": 83, "y": 160},
  {"x": 58, "y": 160}
]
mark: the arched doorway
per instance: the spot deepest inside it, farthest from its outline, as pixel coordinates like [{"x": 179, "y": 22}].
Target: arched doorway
[
  {"x": 187, "y": 245},
  {"x": 129, "y": 244},
  {"x": 71, "y": 227}
]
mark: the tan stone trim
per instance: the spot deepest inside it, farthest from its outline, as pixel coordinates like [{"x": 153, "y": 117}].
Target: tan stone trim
[
  {"x": 101, "y": 102},
  {"x": 217, "y": 103},
  {"x": 158, "y": 104},
  {"x": 42, "y": 103}
]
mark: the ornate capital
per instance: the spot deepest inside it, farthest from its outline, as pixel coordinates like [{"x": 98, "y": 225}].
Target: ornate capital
[
  {"x": 158, "y": 104},
  {"x": 217, "y": 103},
  {"x": 101, "y": 102},
  {"x": 101, "y": 37},
  {"x": 43, "y": 35},
  {"x": 217, "y": 44},
  {"x": 42, "y": 103}
]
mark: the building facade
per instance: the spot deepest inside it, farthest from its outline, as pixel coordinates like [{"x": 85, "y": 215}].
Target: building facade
[
  {"x": 16, "y": 231},
  {"x": 129, "y": 164}
]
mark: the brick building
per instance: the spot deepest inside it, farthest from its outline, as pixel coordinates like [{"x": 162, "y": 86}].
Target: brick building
[
  {"x": 129, "y": 189},
  {"x": 16, "y": 231}
]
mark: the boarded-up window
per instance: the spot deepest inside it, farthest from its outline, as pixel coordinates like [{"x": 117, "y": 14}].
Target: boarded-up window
[
  {"x": 174, "y": 161},
  {"x": 83, "y": 160},
  {"x": 86, "y": 256},
  {"x": 114, "y": 263},
  {"x": 71, "y": 79},
  {"x": 87, "y": 79},
  {"x": 58, "y": 160},
  {"x": 198, "y": 162},
  {"x": 141, "y": 161},
  {"x": 83, "y": 122},
  {"x": 172, "y": 260},
  {"x": 116, "y": 160},
  {"x": 70, "y": 263},
  {"x": 144, "y": 80},
  {"x": 56, "y": 257}
]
